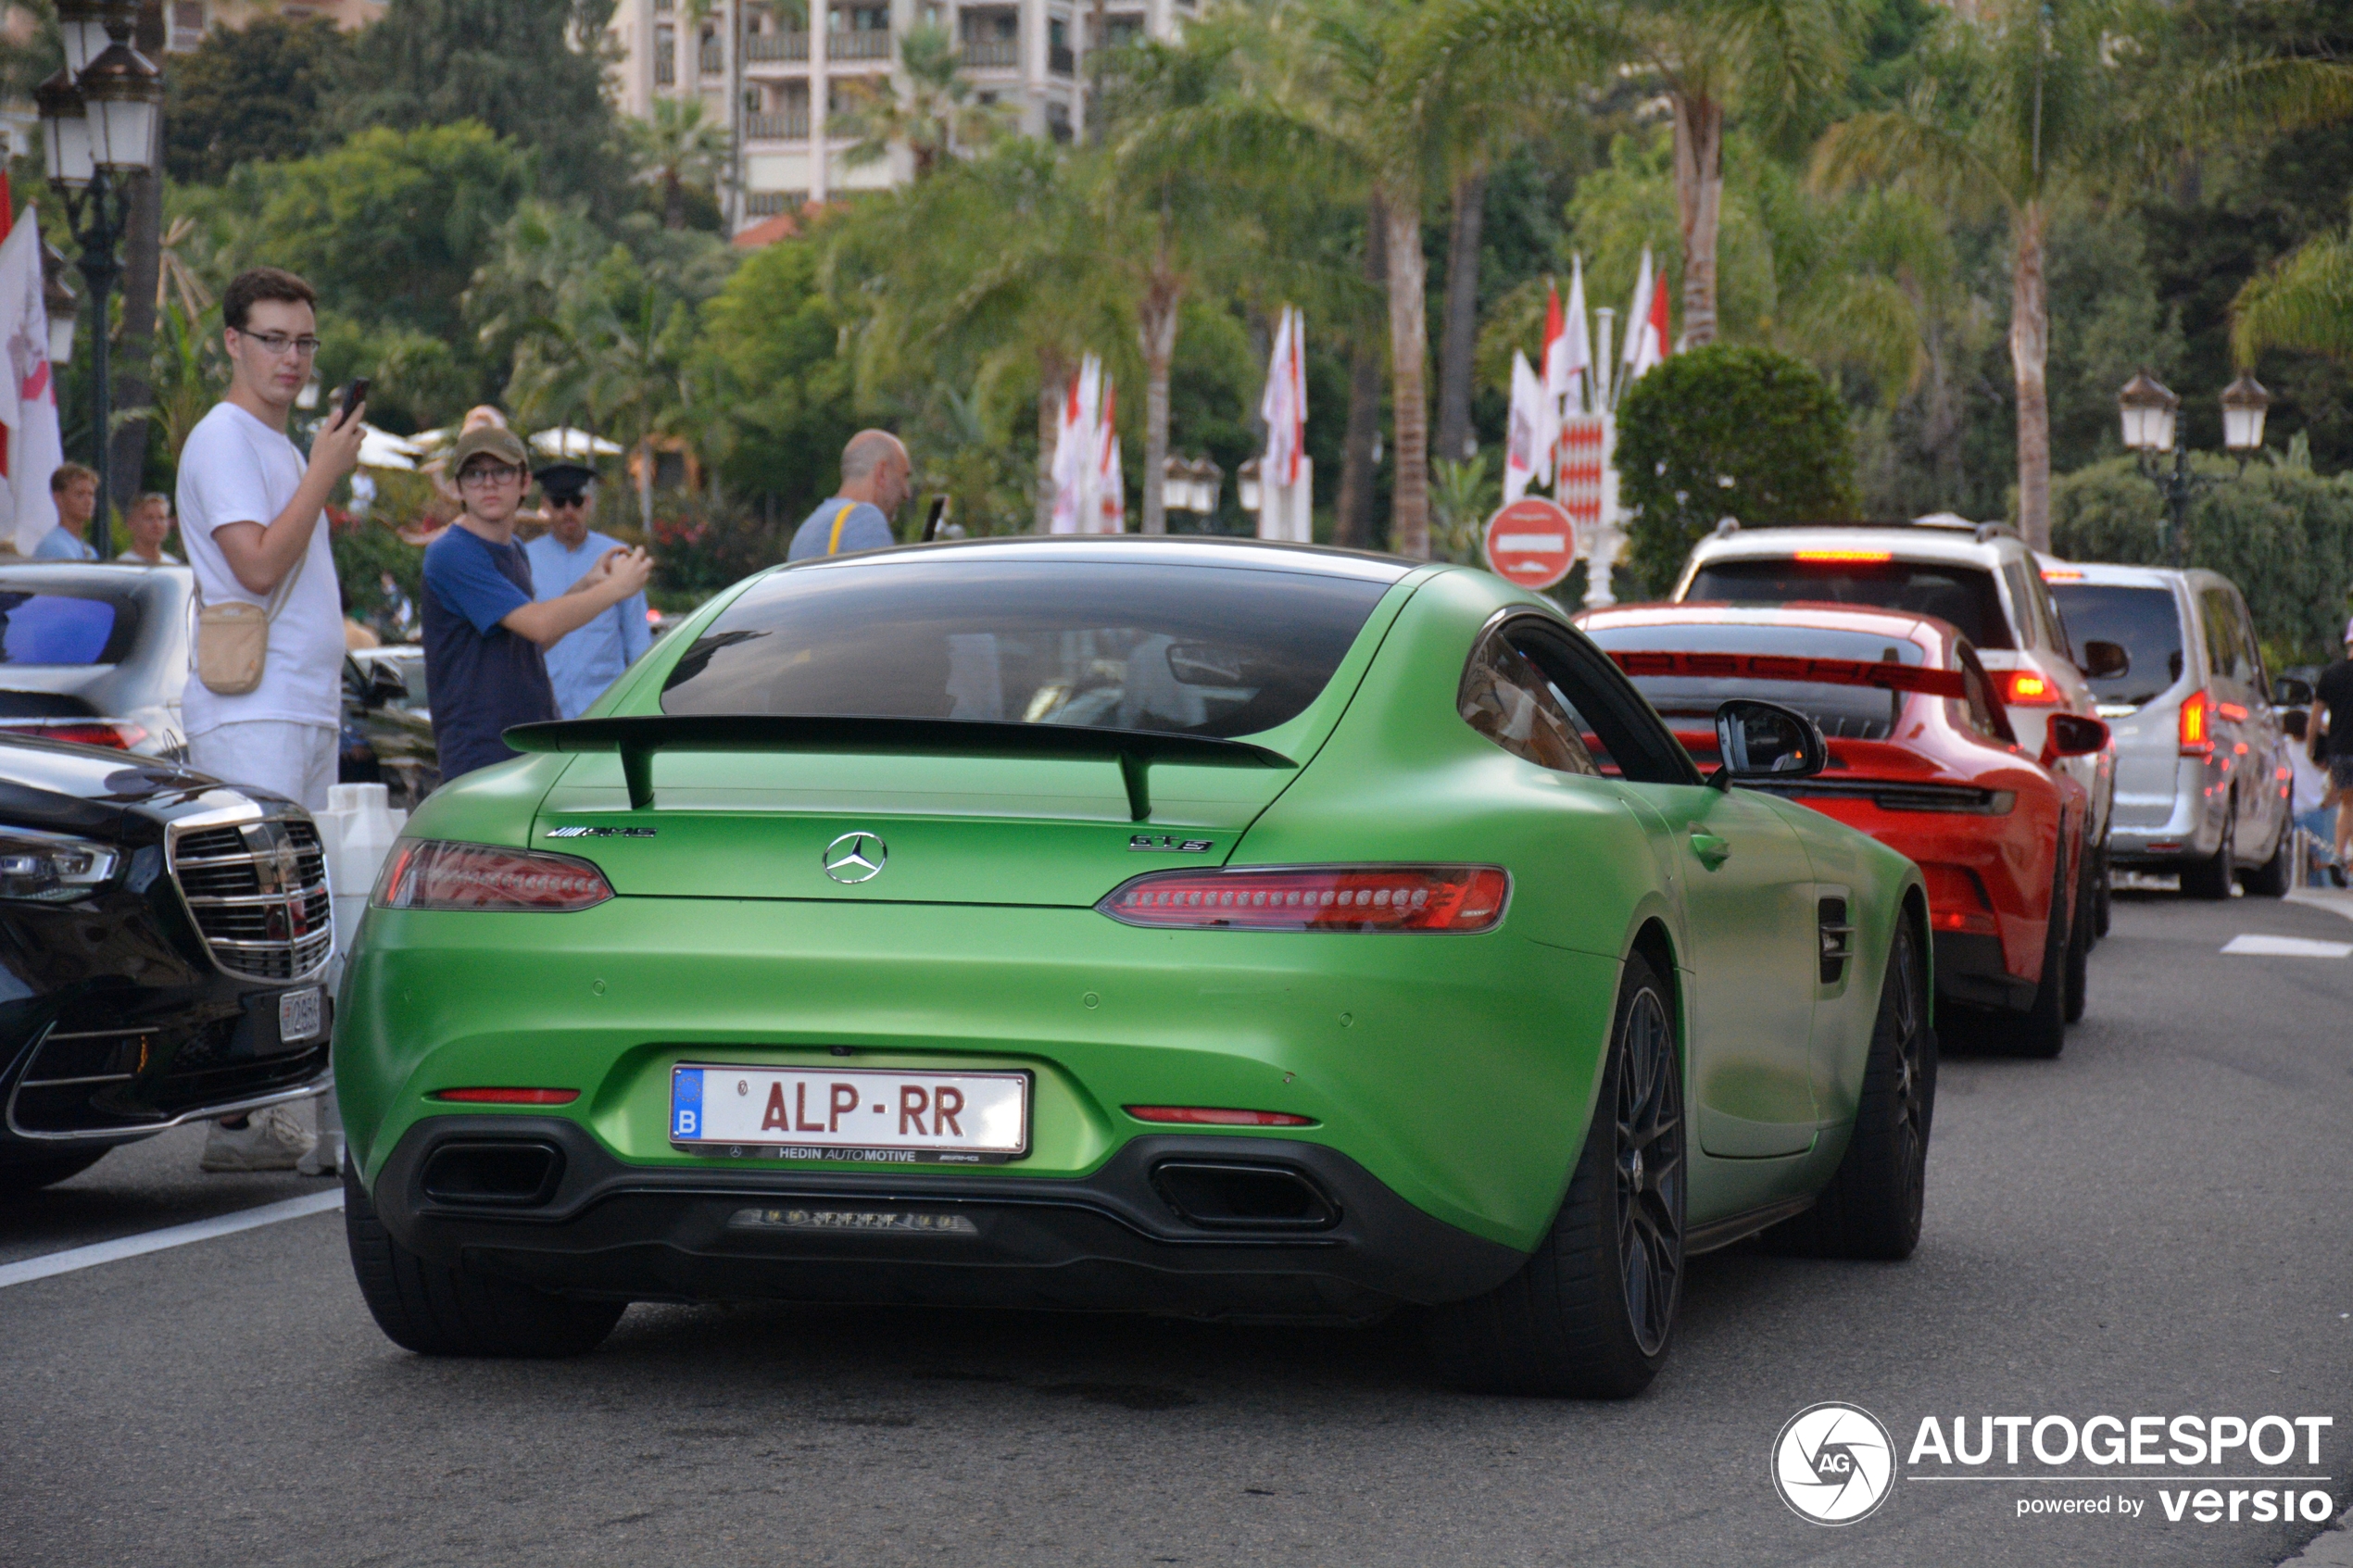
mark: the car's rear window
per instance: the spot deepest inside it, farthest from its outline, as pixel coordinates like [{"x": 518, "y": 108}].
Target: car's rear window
[
  {"x": 1201, "y": 650},
  {"x": 39, "y": 628},
  {"x": 1844, "y": 712},
  {"x": 2144, "y": 623},
  {"x": 1963, "y": 594}
]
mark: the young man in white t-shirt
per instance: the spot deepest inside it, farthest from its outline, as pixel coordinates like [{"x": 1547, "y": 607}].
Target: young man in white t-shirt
[{"x": 249, "y": 519}]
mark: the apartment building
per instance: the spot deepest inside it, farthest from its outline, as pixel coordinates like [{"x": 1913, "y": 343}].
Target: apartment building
[
  {"x": 189, "y": 20},
  {"x": 774, "y": 80}
]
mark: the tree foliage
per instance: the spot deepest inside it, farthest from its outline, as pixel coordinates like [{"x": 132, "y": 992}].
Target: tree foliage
[
  {"x": 257, "y": 94},
  {"x": 1728, "y": 431}
]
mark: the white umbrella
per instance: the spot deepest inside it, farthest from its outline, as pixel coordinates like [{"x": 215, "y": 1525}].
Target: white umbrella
[
  {"x": 566, "y": 442},
  {"x": 382, "y": 449},
  {"x": 426, "y": 440}
]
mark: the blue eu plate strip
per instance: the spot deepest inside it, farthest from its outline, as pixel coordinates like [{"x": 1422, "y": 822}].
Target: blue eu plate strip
[{"x": 685, "y": 1103}]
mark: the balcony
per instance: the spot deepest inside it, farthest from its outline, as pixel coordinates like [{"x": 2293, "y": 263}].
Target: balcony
[
  {"x": 861, "y": 46},
  {"x": 1060, "y": 61},
  {"x": 992, "y": 53},
  {"x": 769, "y": 46},
  {"x": 714, "y": 57},
  {"x": 787, "y": 125}
]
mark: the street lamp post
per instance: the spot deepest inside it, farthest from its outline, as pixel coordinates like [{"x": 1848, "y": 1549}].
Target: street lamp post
[
  {"x": 101, "y": 121},
  {"x": 2152, "y": 426}
]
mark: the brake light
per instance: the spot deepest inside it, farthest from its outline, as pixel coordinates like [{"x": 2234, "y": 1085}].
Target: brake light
[
  {"x": 2024, "y": 688},
  {"x": 427, "y": 873},
  {"x": 1860, "y": 557},
  {"x": 1204, "y": 1116},
  {"x": 1459, "y": 898},
  {"x": 507, "y": 1097},
  {"x": 2057, "y": 575},
  {"x": 115, "y": 733},
  {"x": 2197, "y": 738}
]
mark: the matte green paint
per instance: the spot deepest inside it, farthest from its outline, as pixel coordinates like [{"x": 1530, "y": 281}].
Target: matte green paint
[{"x": 1459, "y": 1069}]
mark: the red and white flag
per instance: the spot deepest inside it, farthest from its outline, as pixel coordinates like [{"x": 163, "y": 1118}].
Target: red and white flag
[
  {"x": 1284, "y": 405},
  {"x": 1646, "y": 340},
  {"x": 1568, "y": 354},
  {"x": 1532, "y": 428},
  {"x": 1111, "y": 486},
  {"x": 28, "y": 392},
  {"x": 1078, "y": 454}
]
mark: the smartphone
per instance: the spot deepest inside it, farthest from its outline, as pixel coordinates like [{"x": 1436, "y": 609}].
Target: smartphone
[
  {"x": 931, "y": 523},
  {"x": 353, "y": 396}
]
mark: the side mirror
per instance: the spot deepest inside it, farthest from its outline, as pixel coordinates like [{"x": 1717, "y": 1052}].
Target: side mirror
[
  {"x": 2071, "y": 735},
  {"x": 2105, "y": 662},
  {"x": 386, "y": 685},
  {"x": 2291, "y": 691},
  {"x": 1764, "y": 740}
]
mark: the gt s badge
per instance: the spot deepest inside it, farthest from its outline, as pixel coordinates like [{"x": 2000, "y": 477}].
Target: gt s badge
[
  {"x": 601, "y": 833},
  {"x": 1166, "y": 843}
]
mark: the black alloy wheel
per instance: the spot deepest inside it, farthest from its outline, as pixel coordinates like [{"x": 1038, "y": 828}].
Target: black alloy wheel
[
  {"x": 1873, "y": 1204},
  {"x": 2041, "y": 1030},
  {"x": 1650, "y": 1173}
]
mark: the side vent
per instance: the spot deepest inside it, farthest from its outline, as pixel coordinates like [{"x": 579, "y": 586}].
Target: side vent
[{"x": 1838, "y": 940}]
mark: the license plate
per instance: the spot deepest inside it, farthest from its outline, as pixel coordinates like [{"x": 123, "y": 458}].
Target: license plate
[
  {"x": 299, "y": 1014},
  {"x": 817, "y": 1113}
]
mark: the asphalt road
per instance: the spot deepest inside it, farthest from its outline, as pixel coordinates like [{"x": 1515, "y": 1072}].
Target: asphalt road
[{"x": 2154, "y": 1223}]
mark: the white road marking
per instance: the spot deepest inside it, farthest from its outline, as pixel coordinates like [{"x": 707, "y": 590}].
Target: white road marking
[
  {"x": 88, "y": 1257},
  {"x": 2287, "y": 948}
]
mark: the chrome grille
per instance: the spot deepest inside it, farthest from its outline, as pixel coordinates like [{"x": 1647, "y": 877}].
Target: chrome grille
[{"x": 257, "y": 889}]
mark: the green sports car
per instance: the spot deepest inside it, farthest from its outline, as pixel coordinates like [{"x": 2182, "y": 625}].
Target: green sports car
[{"x": 1184, "y": 926}]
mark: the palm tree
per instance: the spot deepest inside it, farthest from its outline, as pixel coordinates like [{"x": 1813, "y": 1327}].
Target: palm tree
[
  {"x": 2030, "y": 104},
  {"x": 679, "y": 146},
  {"x": 2304, "y": 300},
  {"x": 1770, "y": 59},
  {"x": 934, "y": 116}
]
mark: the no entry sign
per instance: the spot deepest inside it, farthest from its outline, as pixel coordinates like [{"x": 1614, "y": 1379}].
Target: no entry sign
[{"x": 1531, "y": 542}]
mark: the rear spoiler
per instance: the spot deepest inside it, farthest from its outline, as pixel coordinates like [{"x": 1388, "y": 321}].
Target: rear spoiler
[
  {"x": 638, "y": 736},
  {"x": 1886, "y": 675}
]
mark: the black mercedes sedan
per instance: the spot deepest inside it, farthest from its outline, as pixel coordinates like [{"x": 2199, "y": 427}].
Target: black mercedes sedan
[{"x": 164, "y": 941}]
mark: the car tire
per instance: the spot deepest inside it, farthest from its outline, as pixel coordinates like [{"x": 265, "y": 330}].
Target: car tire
[
  {"x": 32, "y": 1175},
  {"x": 2277, "y": 873},
  {"x": 1592, "y": 1312},
  {"x": 2210, "y": 878},
  {"x": 2078, "y": 951},
  {"x": 2041, "y": 1030},
  {"x": 437, "y": 1310},
  {"x": 1871, "y": 1206},
  {"x": 2103, "y": 890}
]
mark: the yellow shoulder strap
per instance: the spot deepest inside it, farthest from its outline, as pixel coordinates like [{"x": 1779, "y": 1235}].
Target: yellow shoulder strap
[{"x": 841, "y": 515}]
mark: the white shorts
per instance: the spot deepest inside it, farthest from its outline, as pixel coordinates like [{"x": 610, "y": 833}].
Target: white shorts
[{"x": 295, "y": 760}]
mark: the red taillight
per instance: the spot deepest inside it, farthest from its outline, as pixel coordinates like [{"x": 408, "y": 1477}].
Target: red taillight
[
  {"x": 1459, "y": 898},
  {"x": 1957, "y": 900},
  {"x": 2197, "y": 735},
  {"x": 1203, "y": 1116},
  {"x": 507, "y": 1097},
  {"x": 2024, "y": 688},
  {"x": 1845, "y": 557},
  {"x": 86, "y": 731},
  {"x": 429, "y": 873}
]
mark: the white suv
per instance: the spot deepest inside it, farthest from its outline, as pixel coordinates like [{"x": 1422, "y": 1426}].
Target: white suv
[{"x": 1979, "y": 576}]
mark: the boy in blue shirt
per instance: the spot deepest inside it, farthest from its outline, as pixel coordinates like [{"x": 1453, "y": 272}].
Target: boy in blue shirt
[{"x": 483, "y": 632}]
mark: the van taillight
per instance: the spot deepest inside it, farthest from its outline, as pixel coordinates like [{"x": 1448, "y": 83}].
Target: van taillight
[
  {"x": 2198, "y": 734},
  {"x": 2024, "y": 688}
]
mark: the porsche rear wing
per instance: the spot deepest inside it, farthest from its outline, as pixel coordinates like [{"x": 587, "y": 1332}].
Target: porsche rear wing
[{"x": 637, "y": 738}]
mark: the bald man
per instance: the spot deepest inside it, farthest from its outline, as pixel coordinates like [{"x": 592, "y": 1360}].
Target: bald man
[{"x": 875, "y": 474}]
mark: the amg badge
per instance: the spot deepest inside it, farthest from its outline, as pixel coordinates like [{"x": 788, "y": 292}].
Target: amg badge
[
  {"x": 601, "y": 833},
  {"x": 1168, "y": 844}
]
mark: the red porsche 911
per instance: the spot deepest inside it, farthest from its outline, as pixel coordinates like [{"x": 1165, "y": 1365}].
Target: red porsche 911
[{"x": 1923, "y": 758}]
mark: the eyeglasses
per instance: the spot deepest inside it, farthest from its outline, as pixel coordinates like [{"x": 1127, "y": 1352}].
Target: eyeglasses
[
  {"x": 278, "y": 343},
  {"x": 489, "y": 473},
  {"x": 566, "y": 503}
]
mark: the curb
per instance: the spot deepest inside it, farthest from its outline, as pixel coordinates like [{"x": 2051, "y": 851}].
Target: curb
[
  {"x": 2333, "y": 1547},
  {"x": 2337, "y": 900}
]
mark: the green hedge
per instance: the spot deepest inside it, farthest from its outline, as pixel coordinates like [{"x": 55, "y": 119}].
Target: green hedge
[
  {"x": 2284, "y": 534},
  {"x": 1727, "y": 431}
]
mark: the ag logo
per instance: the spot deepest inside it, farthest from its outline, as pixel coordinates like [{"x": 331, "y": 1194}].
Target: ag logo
[
  {"x": 855, "y": 857},
  {"x": 1833, "y": 1463}
]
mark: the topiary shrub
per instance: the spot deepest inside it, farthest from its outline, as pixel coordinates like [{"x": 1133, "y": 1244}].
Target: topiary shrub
[{"x": 1727, "y": 431}]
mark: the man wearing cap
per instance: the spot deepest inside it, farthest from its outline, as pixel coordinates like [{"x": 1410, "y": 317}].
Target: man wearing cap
[
  {"x": 2333, "y": 693},
  {"x": 483, "y": 629},
  {"x": 583, "y": 664},
  {"x": 874, "y": 481}
]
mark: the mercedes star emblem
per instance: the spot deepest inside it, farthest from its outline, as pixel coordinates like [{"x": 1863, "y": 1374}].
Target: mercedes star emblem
[{"x": 855, "y": 857}]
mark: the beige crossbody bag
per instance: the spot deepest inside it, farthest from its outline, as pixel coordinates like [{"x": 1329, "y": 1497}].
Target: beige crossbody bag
[{"x": 233, "y": 639}]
